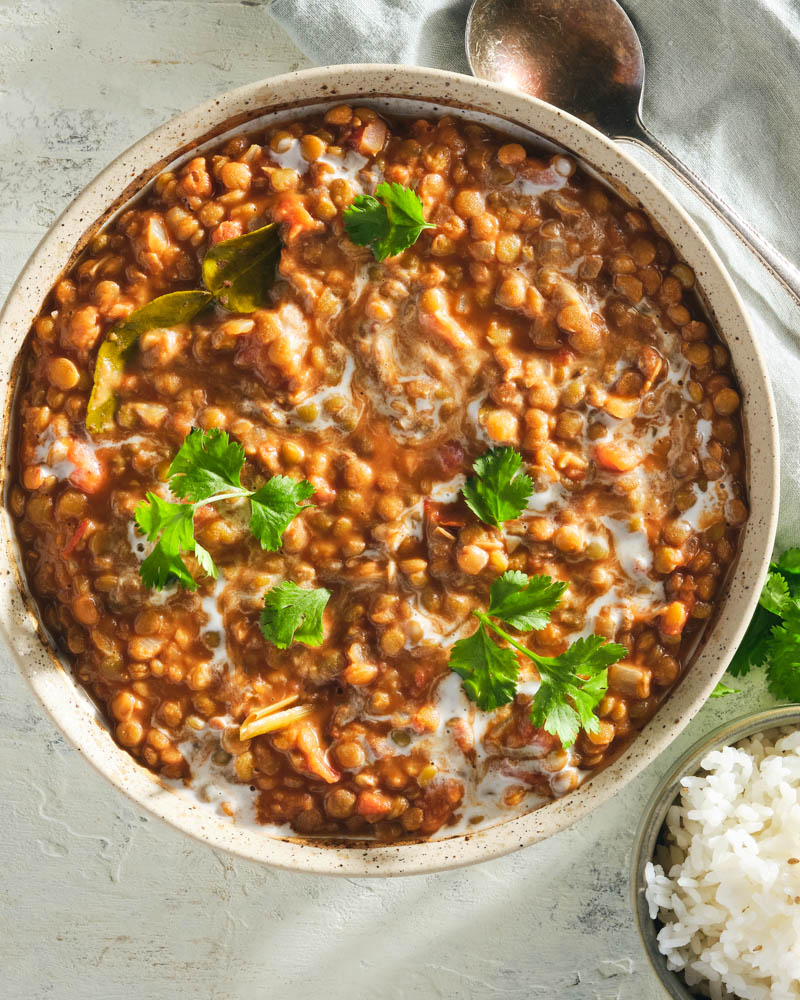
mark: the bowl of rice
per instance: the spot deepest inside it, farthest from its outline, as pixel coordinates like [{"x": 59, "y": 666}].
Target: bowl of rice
[{"x": 716, "y": 865}]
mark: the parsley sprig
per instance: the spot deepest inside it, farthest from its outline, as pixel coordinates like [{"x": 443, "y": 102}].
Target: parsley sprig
[
  {"x": 293, "y": 614},
  {"x": 773, "y": 636},
  {"x": 498, "y": 491},
  {"x": 389, "y": 223},
  {"x": 207, "y": 470},
  {"x": 572, "y": 684}
]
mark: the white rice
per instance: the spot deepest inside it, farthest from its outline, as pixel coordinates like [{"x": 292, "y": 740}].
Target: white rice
[{"x": 730, "y": 903}]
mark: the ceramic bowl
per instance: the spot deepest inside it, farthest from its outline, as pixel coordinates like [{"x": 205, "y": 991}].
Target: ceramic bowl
[
  {"x": 655, "y": 814},
  {"x": 397, "y": 90}
]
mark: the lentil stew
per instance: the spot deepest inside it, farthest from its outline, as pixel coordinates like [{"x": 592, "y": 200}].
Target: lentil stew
[{"x": 540, "y": 312}]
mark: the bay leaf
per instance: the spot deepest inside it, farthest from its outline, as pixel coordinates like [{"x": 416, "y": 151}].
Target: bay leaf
[
  {"x": 165, "y": 311},
  {"x": 241, "y": 271}
]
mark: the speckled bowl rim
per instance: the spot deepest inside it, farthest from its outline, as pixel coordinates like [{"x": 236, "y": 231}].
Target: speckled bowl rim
[
  {"x": 655, "y": 812},
  {"x": 69, "y": 705}
]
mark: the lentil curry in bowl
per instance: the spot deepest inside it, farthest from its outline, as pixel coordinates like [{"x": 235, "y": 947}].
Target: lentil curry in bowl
[{"x": 292, "y": 651}]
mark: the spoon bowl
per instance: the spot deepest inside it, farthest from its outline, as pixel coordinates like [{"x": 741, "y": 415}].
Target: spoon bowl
[{"x": 585, "y": 57}]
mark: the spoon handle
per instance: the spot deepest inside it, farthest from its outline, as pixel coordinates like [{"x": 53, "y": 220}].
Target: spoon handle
[{"x": 786, "y": 273}]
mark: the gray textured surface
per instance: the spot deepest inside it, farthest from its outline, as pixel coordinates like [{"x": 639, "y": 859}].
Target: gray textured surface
[{"x": 100, "y": 902}]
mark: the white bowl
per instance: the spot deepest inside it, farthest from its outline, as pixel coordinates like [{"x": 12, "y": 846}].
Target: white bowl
[
  {"x": 398, "y": 90},
  {"x": 652, "y": 827}
]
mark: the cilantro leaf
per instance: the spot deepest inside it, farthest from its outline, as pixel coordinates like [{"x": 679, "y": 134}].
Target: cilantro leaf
[
  {"x": 207, "y": 462},
  {"x": 155, "y": 514},
  {"x": 722, "y": 689},
  {"x": 753, "y": 648},
  {"x": 366, "y": 221},
  {"x": 789, "y": 562},
  {"x": 589, "y": 654},
  {"x": 489, "y": 671},
  {"x": 498, "y": 491},
  {"x": 572, "y": 685},
  {"x": 524, "y": 602},
  {"x": 551, "y": 713},
  {"x": 206, "y": 470},
  {"x": 162, "y": 567},
  {"x": 274, "y": 506},
  {"x": 171, "y": 526},
  {"x": 783, "y": 664},
  {"x": 292, "y": 614},
  {"x": 203, "y": 557},
  {"x": 389, "y": 223},
  {"x": 774, "y": 594},
  {"x": 406, "y": 219},
  {"x": 773, "y": 635}
]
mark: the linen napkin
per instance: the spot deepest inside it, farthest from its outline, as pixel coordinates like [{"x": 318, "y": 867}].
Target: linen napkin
[{"x": 723, "y": 92}]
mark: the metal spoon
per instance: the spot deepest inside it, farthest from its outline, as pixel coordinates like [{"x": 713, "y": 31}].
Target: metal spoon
[{"x": 585, "y": 57}]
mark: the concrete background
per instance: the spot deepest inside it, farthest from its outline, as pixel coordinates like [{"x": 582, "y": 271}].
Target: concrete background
[{"x": 100, "y": 902}]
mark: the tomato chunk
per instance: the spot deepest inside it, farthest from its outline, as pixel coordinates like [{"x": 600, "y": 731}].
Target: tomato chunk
[
  {"x": 226, "y": 231},
  {"x": 373, "y": 805},
  {"x": 76, "y": 538},
  {"x": 291, "y": 210},
  {"x": 616, "y": 457},
  {"x": 674, "y": 618},
  {"x": 88, "y": 474}
]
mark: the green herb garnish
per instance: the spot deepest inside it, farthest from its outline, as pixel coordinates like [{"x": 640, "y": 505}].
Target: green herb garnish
[
  {"x": 274, "y": 506},
  {"x": 498, "y": 491},
  {"x": 238, "y": 273},
  {"x": 524, "y": 602},
  {"x": 721, "y": 690},
  {"x": 389, "y": 223},
  {"x": 572, "y": 684},
  {"x": 783, "y": 656},
  {"x": 171, "y": 526},
  {"x": 489, "y": 671},
  {"x": 773, "y": 635},
  {"x": 293, "y": 614},
  {"x": 206, "y": 470}
]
